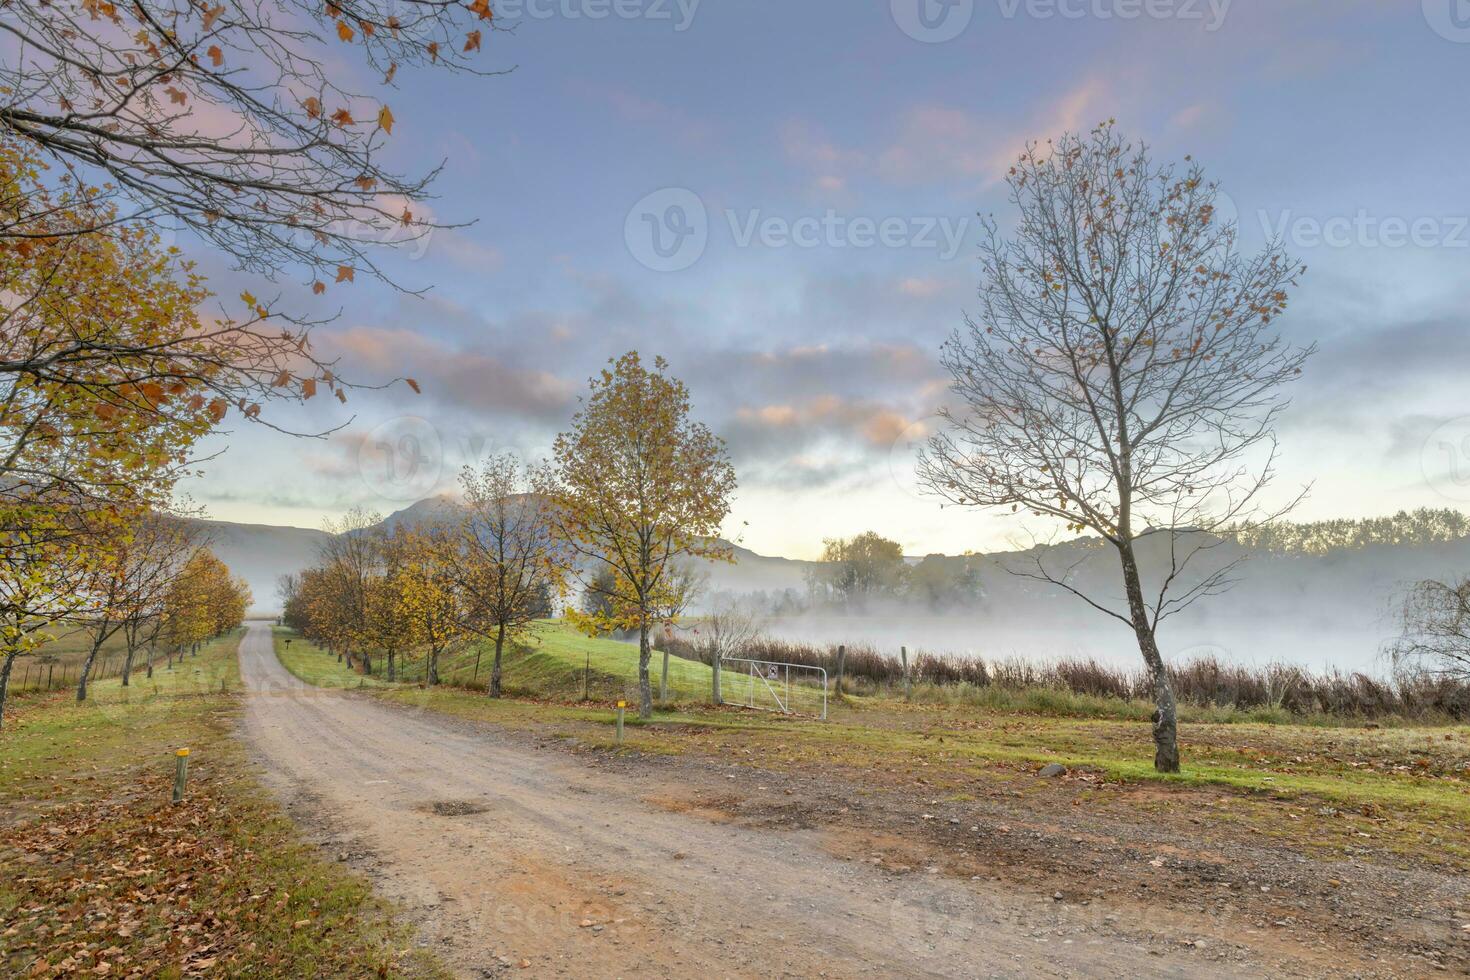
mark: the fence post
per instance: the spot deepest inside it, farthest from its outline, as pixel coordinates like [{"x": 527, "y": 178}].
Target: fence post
[
  {"x": 50, "y": 673},
  {"x": 841, "y": 662},
  {"x": 908, "y": 690},
  {"x": 181, "y": 773},
  {"x": 621, "y": 706},
  {"x": 587, "y": 678}
]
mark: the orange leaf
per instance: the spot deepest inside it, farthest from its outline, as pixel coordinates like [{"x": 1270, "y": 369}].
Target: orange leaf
[
  {"x": 312, "y": 106},
  {"x": 392, "y": 70},
  {"x": 482, "y": 7},
  {"x": 216, "y": 56},
  {"x": 210, "y": 16},
  {"x": 318, "y": 287},
  {"x": 407, "y": 217},
  {"x": 343, "y": 31},
  {"x": 308, "y": 387},
  {"x": 342, "y": 117},
  {"x": 283, "y": 379},
  {"x": 472, "y": 41},
  {"x": 341, "y": 396},
  {"x": 414, "y": 385},
  {"x": 175, "y": 96},
  {"x": 344, "y": 273},
  {"x": 433, "y": 50}
]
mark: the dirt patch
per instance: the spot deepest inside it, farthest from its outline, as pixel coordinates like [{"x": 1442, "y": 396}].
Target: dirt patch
[{"x": 457, "y": 808}]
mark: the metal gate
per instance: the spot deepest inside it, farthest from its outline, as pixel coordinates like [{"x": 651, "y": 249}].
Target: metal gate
[{"x": 770, "y": 685}]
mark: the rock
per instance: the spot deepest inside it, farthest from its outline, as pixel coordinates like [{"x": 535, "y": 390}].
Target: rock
[{"x": 1052, "y": 770}]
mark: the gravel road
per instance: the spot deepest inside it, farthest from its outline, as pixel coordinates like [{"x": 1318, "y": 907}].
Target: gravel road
[{"x": 538, "y": 862}]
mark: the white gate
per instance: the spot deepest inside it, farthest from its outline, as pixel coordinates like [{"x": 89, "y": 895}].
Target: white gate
[{"x": 769, "y": 685}]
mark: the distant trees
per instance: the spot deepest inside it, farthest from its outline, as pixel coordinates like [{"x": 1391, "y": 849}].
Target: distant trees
[
  {"x": 854, "y": 570},
  {"x": 637, "y": 488},
  {"x": 1423, "y": 526},
  {"x": 1123, "y": 376}
]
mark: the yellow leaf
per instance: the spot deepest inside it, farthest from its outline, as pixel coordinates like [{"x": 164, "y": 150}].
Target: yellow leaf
[{"x": 385, "y": 119}]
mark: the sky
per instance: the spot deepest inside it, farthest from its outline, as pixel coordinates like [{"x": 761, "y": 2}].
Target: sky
[{"x": 781, "y": 197}]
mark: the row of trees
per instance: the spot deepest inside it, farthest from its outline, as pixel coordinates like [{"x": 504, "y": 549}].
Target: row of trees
[
  {"x": 633, "y": 495},
  {"x": 152, "y": 584}
]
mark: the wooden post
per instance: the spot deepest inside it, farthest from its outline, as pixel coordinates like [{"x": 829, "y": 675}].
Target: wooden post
[
  {"x": 908, "y": 690},
  {"x": 587, "y": 678},
  {"x": 841, "y": 662},
  {"x": 622, "y": 705},
  {"x": 181, "y": 774}
]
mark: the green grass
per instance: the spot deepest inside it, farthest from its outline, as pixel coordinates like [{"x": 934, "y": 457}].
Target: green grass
[{"x": 108, "y": 870}]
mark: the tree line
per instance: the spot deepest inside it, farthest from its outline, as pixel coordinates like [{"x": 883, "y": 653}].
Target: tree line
[{"x": 633, "y": 494}]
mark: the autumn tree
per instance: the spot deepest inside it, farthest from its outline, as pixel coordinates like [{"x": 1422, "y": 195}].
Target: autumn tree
[
  {"x": 636, "y": 488},
  {"x": 503, "y": 555},
  {"x": 156, "y": 552},
  {"x": 860, "y": 568},
  {"x": 44, "y": 564},
  {"x": 1123, "y": 376},
  {"x": 430, "y": 602}
]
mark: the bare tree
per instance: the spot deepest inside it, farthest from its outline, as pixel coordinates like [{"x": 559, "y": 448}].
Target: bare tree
[
  {"x": 1434, "y": 619},
  {"x": 729, "y": 629},
  {"x": 351, "y": 556},
  {"x": 1122, "y": 376},
  {"x": 504, "y": 554}
]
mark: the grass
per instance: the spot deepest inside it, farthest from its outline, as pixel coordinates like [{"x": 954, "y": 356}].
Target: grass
[
  {"x": 110, "y": 878},
  {"x": 1402, "y": 791}
]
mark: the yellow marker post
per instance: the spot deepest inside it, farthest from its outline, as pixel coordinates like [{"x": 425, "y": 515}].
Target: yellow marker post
[
  {"x": 181, "y": 774},
  {"x": 621, "y": 705}
]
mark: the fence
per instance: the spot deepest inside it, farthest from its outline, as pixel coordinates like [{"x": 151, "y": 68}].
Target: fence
[
  {"x": 769, "y": 685},
  {"x": 58, "y": 675}
]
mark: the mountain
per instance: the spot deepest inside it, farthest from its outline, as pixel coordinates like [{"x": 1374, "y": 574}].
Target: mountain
[{"x": 260, "y": 554}]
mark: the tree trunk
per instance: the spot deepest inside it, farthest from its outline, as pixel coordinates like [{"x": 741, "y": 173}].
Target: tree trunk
[
  {"x": 663, "y": 680},
  {"x": 87, "y": 669},
  {"x": 1166, "y": 715},
  {"x": 431, "y": 668},
  {"x": 645, "y": 690},
  {"x": 127, "y": 665},
  {"x": 10, "y": 656},
  {"x": 149, "y": 661},
  {"x": 367, "y": 663},
  {"x": 392, "y": 676},
  {"x": 495, "y": 667},
  {"x": 714, "y": 667}
]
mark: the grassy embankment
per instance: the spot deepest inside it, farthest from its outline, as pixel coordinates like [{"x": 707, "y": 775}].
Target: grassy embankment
[
  {"x": 1404, "y": 791},
  {"x": 106, "y": 876}
]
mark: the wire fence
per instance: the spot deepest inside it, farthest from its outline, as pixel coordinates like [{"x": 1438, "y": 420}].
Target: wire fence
[{"x": 59, "y": 675}]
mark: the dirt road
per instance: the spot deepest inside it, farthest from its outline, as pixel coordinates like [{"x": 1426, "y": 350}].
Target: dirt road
[{"x": 539, "y": 862}]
